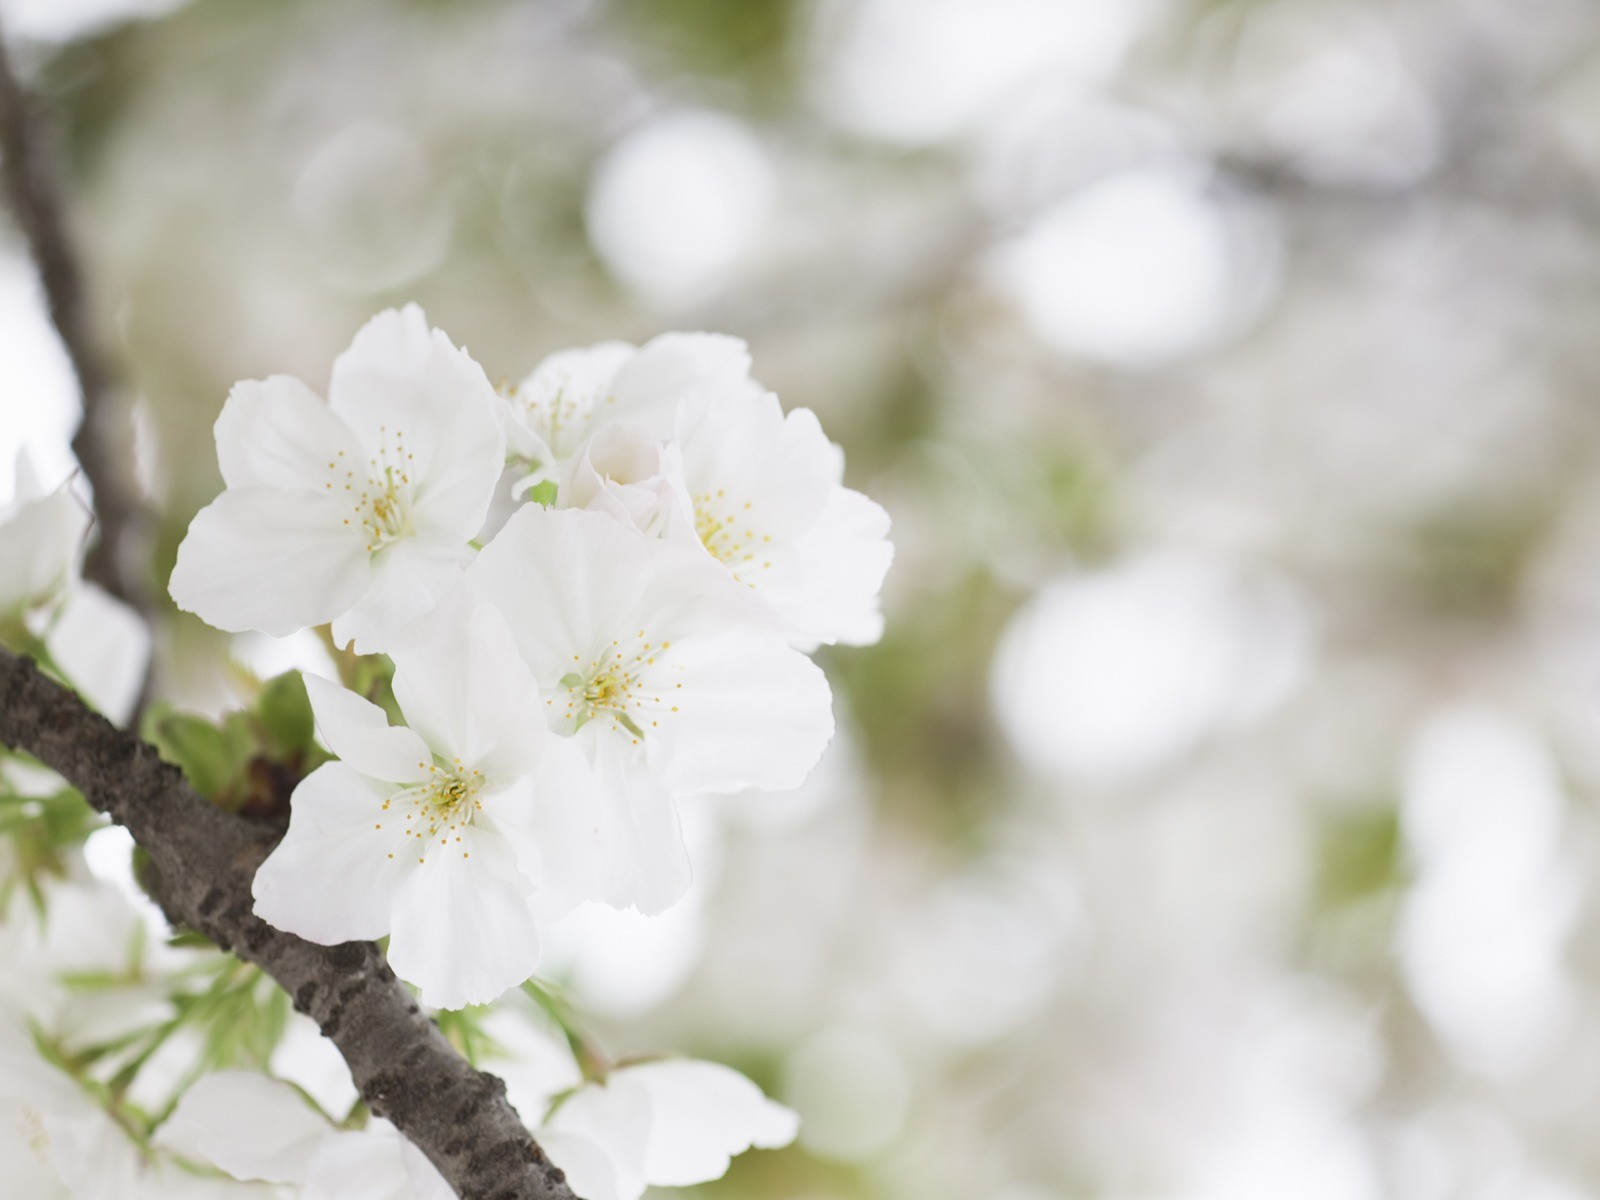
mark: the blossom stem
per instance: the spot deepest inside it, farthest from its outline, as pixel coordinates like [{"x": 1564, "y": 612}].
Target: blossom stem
[{"x": 592, "y": 1061}]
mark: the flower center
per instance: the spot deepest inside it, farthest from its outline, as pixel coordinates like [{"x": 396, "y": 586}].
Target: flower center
[
  {"x": 613, "y": 687},
  {"x": 562, "y": 412},
  {"x": 725, "y": 531},
  {"x": 436, "y": 810},
  {"x": 381, "y": 498}
]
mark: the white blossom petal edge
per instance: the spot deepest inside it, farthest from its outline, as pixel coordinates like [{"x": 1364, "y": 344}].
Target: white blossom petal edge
[
  {"x": 430, "y": 833},
  {"x": 359, "y": 511}
]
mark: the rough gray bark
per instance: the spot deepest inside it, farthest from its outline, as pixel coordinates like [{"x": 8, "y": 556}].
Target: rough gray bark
[
  {"x": 204, "y": 860},
  {"x": 27, "y": 171}
]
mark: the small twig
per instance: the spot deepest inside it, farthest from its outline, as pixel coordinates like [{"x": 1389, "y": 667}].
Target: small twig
[
  {"x": 28, "y": 171},
  {"x": 203, "y": 860}
]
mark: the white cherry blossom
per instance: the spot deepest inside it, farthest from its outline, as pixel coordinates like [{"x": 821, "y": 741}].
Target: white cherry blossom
[
  {"x": 665, "y": 1122},
  {"x": 433, "y": 832},
  {"x": 259, "y": 1129},
  {"x": 678, "y": 426},
  {"x": 359, "y": 511},
  {"x": 670, "y": 681},
  {"x": 41, "y": 543},
  {"x": 669, "y": 1123},
  {"x": 770, "y": 505},
  {"x": 552, "y": 413}
]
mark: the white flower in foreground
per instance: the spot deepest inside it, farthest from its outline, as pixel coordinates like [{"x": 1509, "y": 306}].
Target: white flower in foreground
[
  {"x": 770, "y": 505},
  {"x": 669, "y": 1123},
  {"x": 359, "y": 511},
  {"x": 670, "y": 681},
  {"x": 257, "y": 1128},
  {"x": 552, "y": 412},
  {"x": 432, "y": 833},
  {"x": 41, "y": 541}
]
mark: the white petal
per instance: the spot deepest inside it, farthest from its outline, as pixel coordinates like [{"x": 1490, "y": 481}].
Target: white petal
[
  {"x": 402, "y": 380},
  {"x": 590, "y": 1171},
  {"x": 409, "y": 578},
  {"x": 464, "y": 686},
  {"x": 333, "y": 877},
  {"x": 644, "y": 863},
  {"x": 615, "y": 1119},
  {"x": 771, "y": 507},
  {"x": 250, "y": 1126},
  {"x": 103, "y": 647},
  {"x": 365, "y": 1164},
  {"x": 827, "y": 584},
  {"x": 358, "y": 731},
  {"x": 40, "y": 545},
  {"x": 753, "y": 712},
  {"x": 534, "y": 1059},
  {"x": 277, "y": 432},
  {"x": 629, "y": 476},
  {"x": 569, "y": 582},
  {"x": 271, "y": 561},
  {"x": 554, "y": 821},
  {"x": 566, "y": 581},
  {"x": 555, "y": 407},
  {"x": 463, "y": 931},
  {"x": 424, "y": 1178},
  {"x": 703, "y": 368},
  {"x": 704, "y": 1114}
]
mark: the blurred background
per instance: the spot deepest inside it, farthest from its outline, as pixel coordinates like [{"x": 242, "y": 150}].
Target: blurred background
[{"x": 1217, "y": 819}]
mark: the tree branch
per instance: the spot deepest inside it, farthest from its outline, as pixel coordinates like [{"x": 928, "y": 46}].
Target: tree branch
[
  {"x": 204, "y": 860},
  {"x": 27, "y": 171}
]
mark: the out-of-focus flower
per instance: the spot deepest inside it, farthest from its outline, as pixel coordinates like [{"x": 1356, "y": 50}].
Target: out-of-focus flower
[
  {"x": 670, "y": 681},
  {"x": 432, "y": 833},
  {"x": 258, "y": 1128},
  {"x": 41, "y": 541},
  {"x": 662, "y": 1123},
  {"x": 57, "y": 1143},
  {"x": 359, "y": 511},
  {"x": 665, "y": 1124}
]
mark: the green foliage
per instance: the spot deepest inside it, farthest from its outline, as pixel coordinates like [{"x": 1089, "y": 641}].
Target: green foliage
[
  {"x": 285, "y": 714},
  {"x": 1360, "y": 856},
  {"x": 251, "y": 761},
  {"x": 729, "y": 38},
  {"x": 1468, "y": 562},
  {"x": 40, "y": 830},
  {"x": 463, "y": 1029}
]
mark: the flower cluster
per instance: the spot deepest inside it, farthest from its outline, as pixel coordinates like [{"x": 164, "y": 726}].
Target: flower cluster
[
  {"x": 633, "y": 632},
  {"x": 559, "y": 609}
]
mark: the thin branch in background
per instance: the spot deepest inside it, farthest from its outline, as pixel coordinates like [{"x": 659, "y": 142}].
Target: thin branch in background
[
  {"x": 203, "y": 860},
  {"x": 28, "y": 162}
]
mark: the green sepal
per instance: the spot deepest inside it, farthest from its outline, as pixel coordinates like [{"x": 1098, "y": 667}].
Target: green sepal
[{"x": 285, "y": 714}]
